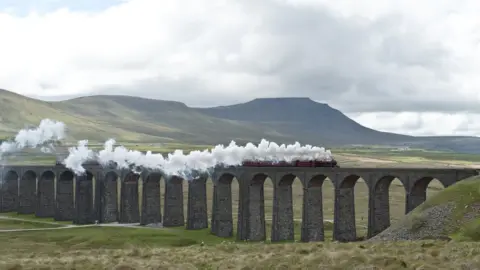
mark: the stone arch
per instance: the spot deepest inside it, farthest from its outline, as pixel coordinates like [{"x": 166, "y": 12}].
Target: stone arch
[
  {"x": 379, "y": 216},
  {"x": 256, "y": 229},
  {"x": 9, "y": 192},
  {"x": 312, "y": 217},
  {"x": 46, "y": 195},
  {"x": 129, "y": 205},
  {"x": 27, "y": 193},
  {"x": 173, "y": 213},
  {"x": 151, "y": 204},
  {"x": 418, "y": 191},
  {"x": 283, "y": 223},
  {"x": 64, "y": 207},
  {"x": 108, "y": 198},
  {"x": 349, "y": 181},
  {"x": 84, "y": 205},
  {"x": 222, "y": 215}
]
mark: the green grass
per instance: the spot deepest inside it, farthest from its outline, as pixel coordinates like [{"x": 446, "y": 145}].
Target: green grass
[
  {"x": 6, "y": 224},
  {"x": 104, "y": 237},
  {"x": 33, "y": 218},
  {"x": 418, "y": 154}
]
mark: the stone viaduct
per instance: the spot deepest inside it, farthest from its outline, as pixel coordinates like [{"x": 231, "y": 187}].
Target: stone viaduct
[{"x": 54, "y": 191}]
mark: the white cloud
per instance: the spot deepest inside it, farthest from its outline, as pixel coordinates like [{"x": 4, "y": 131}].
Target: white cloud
[{"x": 360, "y": 56}]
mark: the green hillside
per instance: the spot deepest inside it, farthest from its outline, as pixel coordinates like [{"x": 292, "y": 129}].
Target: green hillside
[
  {"x": 451, "y": 213},
  {"x": 128, "y": 119},
  {"x": 140, "y": 120}
]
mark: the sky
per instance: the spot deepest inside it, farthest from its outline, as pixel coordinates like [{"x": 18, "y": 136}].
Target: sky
[{"x": 405, "y": 66}]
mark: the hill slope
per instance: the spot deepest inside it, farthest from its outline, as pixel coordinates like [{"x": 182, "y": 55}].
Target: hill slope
[
  {"x": 127, "y": 119},
  {"x": 311, "y": 121},
  {"x": 284, "y": 120},
  {"x": 452, "y": 212}
]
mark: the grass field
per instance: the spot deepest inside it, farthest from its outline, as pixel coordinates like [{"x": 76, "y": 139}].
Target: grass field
[{"x": 126, "y": 248}]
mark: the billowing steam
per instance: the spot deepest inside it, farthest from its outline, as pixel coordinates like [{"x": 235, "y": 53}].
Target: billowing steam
[
  {"x": 44, "y": 136},
  {"x": 177, "y": 163}
]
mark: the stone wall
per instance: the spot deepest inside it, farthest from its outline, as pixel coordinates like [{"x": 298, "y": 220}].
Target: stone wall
[
  {"x": 9, "y": 192},
  {"x": 45, "y": 195},
  {"x": 64, "y": 208},
  {"x": 108, "y": 194},
  {"x": 129, "y": 205},
  {"x": 197, "y": 216},
  {"x": 173, "y": 206},
  {"x": 84, "y": 211},
  {"x": 27, "y": 199},
  {"x": 151, "y": 213}
]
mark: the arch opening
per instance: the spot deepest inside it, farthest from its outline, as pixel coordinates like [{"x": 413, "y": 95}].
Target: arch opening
[
  {"x": 388, "y": 204},
  {"x": 27, "y": 193},
  {"x": 421, "y": 188},
  {"x": 9, "y": 192},
  {"x": 328, "y": 205}
]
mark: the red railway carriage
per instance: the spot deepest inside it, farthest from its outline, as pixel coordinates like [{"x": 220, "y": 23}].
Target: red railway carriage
[{"x": 297, "y": 163}]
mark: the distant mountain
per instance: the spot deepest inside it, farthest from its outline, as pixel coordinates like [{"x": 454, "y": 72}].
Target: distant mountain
[
  {"x": 283, "y": 120},
  {"x": 306, "y": 119},
  {"x": 315, "y": 122}
]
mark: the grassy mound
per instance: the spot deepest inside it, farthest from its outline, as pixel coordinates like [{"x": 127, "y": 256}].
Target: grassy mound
[{"x": 451, "y": 213}]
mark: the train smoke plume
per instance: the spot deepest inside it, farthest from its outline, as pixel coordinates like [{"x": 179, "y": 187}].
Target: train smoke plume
[
  {"x": 46, "y": 135},
  {"x": 178, "y": 163}
]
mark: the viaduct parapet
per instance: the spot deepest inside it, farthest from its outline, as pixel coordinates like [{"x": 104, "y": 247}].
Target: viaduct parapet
[{"x": 107, "y": 195}]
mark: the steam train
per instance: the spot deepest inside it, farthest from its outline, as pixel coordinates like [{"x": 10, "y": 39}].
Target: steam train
[{"x": 297, "y": 163}]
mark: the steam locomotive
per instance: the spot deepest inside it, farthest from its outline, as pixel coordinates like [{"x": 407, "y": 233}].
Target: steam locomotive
[{"x": 297, "y": 163}]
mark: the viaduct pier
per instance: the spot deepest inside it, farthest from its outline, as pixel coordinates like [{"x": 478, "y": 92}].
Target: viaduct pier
[{"x": 108, "y": 195}]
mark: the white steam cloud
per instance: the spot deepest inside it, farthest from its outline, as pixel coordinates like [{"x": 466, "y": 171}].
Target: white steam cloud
[
  {"x": 49, "y": 132},
  {"x": 44, "y": 136},
  {"x": 178, "y": 163}
]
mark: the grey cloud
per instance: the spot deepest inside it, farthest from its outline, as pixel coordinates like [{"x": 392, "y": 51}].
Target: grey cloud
[{"x": 351, "y": 63}]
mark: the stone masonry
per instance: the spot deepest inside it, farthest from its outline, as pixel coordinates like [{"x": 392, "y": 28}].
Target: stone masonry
[
  {"x": 129, "y": 205},
  {"x": 197, "y": 216},
  {"x": 84, "y": 207},
  {"x": 64, "y": 208},
  {"x": 45, "y": 206},
  {"x": 173, "y": 206},
  {"x": 251, "y": 218},
  {"x": 9, "y": 192},
  {"x": 27, "y": 199},
  {"x": 108, "y": 194},
  {"x": 151, "y": 213}
]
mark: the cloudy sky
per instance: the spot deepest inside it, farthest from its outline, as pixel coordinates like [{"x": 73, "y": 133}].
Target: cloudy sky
[{"x": 402, "y": 66}]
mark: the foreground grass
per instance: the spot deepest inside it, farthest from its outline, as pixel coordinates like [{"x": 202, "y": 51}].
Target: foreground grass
[
  {"x": 156, "y": 249},
  {"x": 7, "y": 224},
  {"x": 32, "y": 218}
]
